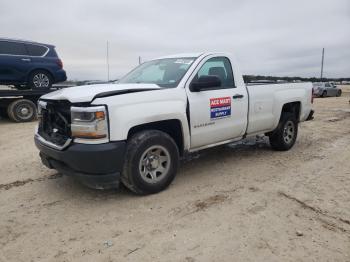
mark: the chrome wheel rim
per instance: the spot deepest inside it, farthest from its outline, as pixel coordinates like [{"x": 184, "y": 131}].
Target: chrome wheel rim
[
  {"x": 41, "y": 80},
  {"x": 154, "y": 164},
  {"x": 288, "y": 132}
]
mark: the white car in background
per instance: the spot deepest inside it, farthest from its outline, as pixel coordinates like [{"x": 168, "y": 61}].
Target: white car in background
[{"x": 324, "y": 89}]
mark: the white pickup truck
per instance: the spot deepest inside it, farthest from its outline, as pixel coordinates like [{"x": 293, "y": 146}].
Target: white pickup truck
[{"x": 136, "y": 130}]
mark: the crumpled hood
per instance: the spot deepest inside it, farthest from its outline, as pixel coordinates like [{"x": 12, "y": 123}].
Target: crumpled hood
[{"x": 78, "y": 94}]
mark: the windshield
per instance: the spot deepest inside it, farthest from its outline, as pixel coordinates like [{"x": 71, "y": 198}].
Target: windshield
[{"x": 165, "y": 72}]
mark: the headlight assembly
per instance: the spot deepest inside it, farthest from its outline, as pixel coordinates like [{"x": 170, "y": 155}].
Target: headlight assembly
[{"x": 89, "y": 124}]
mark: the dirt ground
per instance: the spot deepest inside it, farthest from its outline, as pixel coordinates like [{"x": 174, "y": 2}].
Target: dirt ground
[{"x": 240, "y": 202}]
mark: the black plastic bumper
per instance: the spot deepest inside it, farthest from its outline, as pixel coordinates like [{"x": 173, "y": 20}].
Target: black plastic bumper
[{"x": 96, "y": 166}]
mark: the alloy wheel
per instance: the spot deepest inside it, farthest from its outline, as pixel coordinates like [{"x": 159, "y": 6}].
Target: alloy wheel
[{"x": 41, "y": 80}]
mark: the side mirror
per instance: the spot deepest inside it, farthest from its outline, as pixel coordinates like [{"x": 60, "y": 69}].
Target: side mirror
[{"x": 205, "y": 82}]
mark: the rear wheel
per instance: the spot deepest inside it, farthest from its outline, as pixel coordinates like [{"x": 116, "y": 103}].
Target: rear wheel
[
  {"x": 22, "y": 110},
  {"x": 339, "y": 93},
  {"x": 151, "y": 162},
  {"x": 40, "y": 80},
  {"x": 285, "y": 135},
  {"x": 324, "y": 94}
]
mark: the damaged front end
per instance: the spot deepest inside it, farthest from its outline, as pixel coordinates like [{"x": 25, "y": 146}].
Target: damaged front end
[
  {"x": 54, "y": 127},
  {"x": 73, "y": 138}
]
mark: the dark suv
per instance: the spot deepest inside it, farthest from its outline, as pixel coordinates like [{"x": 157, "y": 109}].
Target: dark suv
[{"x": 29, "y": 65}]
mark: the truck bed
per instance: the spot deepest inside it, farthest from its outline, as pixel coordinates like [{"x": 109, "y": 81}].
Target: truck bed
[
  {"x": 9, "y": 92},
  {"x": 266, "y": 101},
  {"x": 10, "y": 99},
  {"x": 21, "y": 93}
]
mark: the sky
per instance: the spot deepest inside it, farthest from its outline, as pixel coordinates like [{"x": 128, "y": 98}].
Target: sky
[{"x": 269, "y": 37}]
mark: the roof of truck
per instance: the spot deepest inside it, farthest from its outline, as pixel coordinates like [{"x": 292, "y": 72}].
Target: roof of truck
[
  {"x": 197, "y": 54},
  {"x": 182, "y": 55}
]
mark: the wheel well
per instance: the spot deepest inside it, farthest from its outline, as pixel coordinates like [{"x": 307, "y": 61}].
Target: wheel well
[
  {"x": 172, "y": 127},
  {"x": 293, "y": 107}
]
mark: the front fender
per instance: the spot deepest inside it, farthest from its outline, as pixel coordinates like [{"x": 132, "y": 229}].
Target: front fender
[
  {"x": 133, "y": 115},
  {"x": 145, "y": 108}
]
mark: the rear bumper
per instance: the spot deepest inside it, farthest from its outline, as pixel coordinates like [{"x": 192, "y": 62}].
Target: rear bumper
[
  {"x": 96, "y": 166},
  {"x": 60, "y": 76}
]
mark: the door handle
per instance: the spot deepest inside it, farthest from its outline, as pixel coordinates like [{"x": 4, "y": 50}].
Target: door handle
[
  {"x": 237, "y": 96},
  {"x": 26, "y": 59}
]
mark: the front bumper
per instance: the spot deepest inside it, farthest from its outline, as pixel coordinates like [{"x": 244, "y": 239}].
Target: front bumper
[{"x": 97, "y": 166}]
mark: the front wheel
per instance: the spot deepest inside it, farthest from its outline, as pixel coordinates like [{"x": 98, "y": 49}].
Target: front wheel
[
  {"x": 151, "y": 162},
  {"x": 285, "y": 135}
]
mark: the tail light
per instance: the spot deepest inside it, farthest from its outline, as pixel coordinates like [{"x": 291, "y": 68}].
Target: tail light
[{"x": 59, "y": 63}]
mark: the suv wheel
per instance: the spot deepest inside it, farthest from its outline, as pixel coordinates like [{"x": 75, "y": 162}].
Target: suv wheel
[
  {"x": 151, "y": 162},
  {"x": 40, "y": 80},
  {"x": 285, "y": 135},
  {"x": 339, "y": 93}
]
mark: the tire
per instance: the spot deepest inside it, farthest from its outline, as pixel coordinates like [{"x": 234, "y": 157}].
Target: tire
[
  {"x": 22, "y": 110},
  {"x": 39, "y": 80},
  {"x": 339, "y": 93},
  {"x": 324, "y": 94},
  {"x": 143, "y": 171},
  {"x": 284, "y": 136}
]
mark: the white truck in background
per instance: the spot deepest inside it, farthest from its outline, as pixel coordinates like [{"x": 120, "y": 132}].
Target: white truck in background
[{"x": 136, "y": 130}]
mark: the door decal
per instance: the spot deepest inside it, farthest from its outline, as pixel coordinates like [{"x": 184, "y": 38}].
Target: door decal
[{"x": 220, "y": 107}]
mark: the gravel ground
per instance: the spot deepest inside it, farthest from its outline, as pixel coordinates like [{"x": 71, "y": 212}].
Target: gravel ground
[{"x": 240, "y": 202}]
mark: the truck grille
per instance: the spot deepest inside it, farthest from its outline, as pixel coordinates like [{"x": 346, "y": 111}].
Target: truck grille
[{"x": 54, "y": 125}]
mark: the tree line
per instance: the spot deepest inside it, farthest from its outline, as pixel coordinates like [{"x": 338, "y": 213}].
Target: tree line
[{"x": 253, "y": 78}]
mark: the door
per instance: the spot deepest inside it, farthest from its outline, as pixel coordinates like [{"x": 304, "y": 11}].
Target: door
[
  {"x": 14, "y": 62},
  {"x": 217, "y": 114}
]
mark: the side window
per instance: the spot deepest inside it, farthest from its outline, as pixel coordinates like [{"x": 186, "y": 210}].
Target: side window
[
  {"x": 36, "y": 50},
  {"x": 220, "y": 67},
  {"x": 12, "y": 48},
  {"x": 328, "y": 85}
]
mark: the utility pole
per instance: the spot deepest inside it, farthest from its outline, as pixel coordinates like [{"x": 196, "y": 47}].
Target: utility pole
[
  {"x": 140, "y": 60},
  {"x": 107, "y": 61},
  {"x": 322, "y": 63}
]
